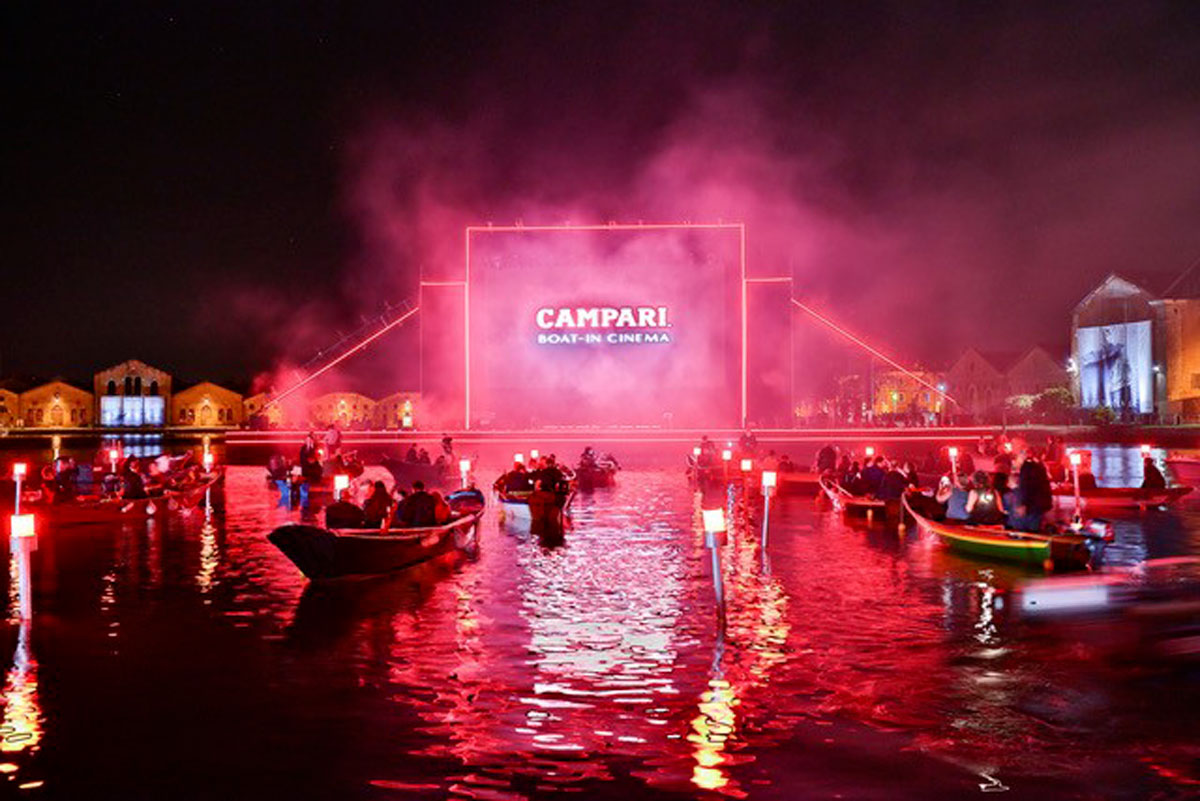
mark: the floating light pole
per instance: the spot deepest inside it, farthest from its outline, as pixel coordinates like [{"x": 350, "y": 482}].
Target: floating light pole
[
  {"x": 341, "y": 483},
  {"x": 1076, "y": 461},
  {"x": 464, "y": 470},
  {"x": 953, "y": 451},
  {"x": 768, "y": 489},
  {"x": 22, "y": 531},
  {"x": 19, "y": 469},
  {"x": 714, "y": 538}
]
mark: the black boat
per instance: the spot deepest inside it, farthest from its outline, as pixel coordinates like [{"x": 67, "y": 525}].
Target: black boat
[{"x": 323, "y": 554}]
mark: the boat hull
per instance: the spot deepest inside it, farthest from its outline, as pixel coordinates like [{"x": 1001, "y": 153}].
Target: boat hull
[
  {"x": 324, "y": 554},
  {"x": 1109, "y": 499},
  {"x": 1063, "y": 552},
  {"x": 107, "y": 510}
]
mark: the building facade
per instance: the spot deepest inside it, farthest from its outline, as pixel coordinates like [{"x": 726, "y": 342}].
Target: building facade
[
  {"x": 347, "y": 409},
  {"x": 398, "y": 410},
  {"x": 56, "y": 404},
  {"x": 259, "y": 414},
  {"x": 132, "y": 394},
  {"x": 977, "y": 386},
  {"x": 207, "y": 405},
  {"x": 10, "y": 408}
]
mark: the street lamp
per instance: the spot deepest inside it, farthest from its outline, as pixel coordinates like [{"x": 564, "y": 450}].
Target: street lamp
[
  {"x": 714, "y": 538},
  {"x": 768, "y": 487},
  {"x": 341, "y": 482},
  {"x": 464, "y": 469}
]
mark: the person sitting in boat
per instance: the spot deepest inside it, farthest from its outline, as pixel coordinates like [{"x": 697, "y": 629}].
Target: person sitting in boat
[
  {"x": 310, "y": 459},
  {"x": 516, "y": 480},
  {"x": 66, "y": 479},
  {"x": 910, "y": 474},
  {"x": 872, "y": 475},
  {"x": 133, "y": 486},
  {"x": 984, "y": 507},
  {"x": 344, "y": 514},
  {"x": 417, "y": 510},
  {"x": 827, "y": 459},
  {"x": 851, "y": 478},
  {"x": 1152, "y": 477},
  {"x": 587, "y": 459},
  {"x": 441, "y": 509},
  {"x": 549, "y": 476},
  {"x": 378, "y": 506},
  {"x": 708, "y": 452},
  {"x": 786, "y": 465},
  {"x": 1087, "y": 481},
  {"x": 1010, "y": 498},
  {"x": 748, "y": 443},
  {"x": 893, "y": 485},
  {"x": 956, "y": 500},
  {"x": 423, "y": 457},
  {"x": 447, "y": 446},
  {"x": 412, "y": 456},
  {"x": 770, "y": 461},
  {"x": 609, "y": 462}
]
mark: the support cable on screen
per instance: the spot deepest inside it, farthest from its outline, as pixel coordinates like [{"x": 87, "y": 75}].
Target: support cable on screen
[
  {"x": 873, "y": 351},
  {"x": 345, "y": 354}
]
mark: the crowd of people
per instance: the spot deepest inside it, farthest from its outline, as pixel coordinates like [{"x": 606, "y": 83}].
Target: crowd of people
[
  {"x": 543, "y": 473},
  {"x": 415, "y": 508},
  {"x": 130, "y": 477}
]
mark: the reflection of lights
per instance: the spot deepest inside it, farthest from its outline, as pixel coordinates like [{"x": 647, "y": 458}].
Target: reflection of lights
[
  {"x": 210, "y": 556},
  {"x": 712, "y": 729},
  {"x": 22, "y": 712}
]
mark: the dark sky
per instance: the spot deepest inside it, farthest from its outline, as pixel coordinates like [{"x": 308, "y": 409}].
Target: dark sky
[{"x": 213, "y": 187}]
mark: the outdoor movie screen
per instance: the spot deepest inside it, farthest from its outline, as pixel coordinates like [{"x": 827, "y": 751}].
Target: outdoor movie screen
[
  {"x": 1115, "y": 366},
  {"x": 605, "y": 325}
]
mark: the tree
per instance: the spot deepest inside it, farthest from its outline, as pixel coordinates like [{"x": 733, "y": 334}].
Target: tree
[{"x": 1054, "y": 405}]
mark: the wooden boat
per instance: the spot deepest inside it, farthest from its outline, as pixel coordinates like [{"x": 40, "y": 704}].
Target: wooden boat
[
  {"x": 1066, "y": 551},
  {"x": 537, "y": 507},
  {"x": 799, "y": 482},
  {"x": 433, "y": 476},
  {"x": 597, "y": 474},
  {"x": 323, "y": 554},
  {"x": 1185, "y": 469},
  {"x": 844, "y": 501},
  {"x": 95, "y": 509},
  {"x": 1116, "y": 498}
]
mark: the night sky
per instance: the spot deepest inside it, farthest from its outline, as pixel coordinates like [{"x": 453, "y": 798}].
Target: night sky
[{"x": 213, "y": 188}]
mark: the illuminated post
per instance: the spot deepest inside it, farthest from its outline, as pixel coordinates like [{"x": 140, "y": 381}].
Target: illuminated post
[
  {"x": 341, "y": 482},
  {"x": 714, "y": 538},
  {"x": 534, "y": 454},
  {"x": 519, "y": 458},
  {"x": 18, "y": 476},
  {"x": 870, "y": 451},
  {"x": 953, "y": 451},
  {"x": 113, "y": 456},
  {"x": 1145, "y": 451},
  {"x": 768, "y": 488},
  {"x": 208, "y": 462},
  {"x": 207, "y": 440},
  {"x": 726, "y": 455},
  {"x": 696, "y": 451},
  {"x": 21, "y": 537},
  {"x": 56, "y": 446},
  {"x": 464, "y": 469},
  {"x": 1076, "y": 460}
]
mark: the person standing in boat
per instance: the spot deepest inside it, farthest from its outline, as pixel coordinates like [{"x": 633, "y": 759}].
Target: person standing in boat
[
  {"x": 956, "y": 500},
  {"x": 1034, "y": 495},
  {"x": 872, "y": 475},
  {"x": 827, "y": 459},
  {"x": 310, "y": 459},
  {"x": 333, "y": 440}
]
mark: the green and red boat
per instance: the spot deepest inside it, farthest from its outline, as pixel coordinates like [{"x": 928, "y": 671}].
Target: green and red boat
[{"x": 1072, "y": 550}]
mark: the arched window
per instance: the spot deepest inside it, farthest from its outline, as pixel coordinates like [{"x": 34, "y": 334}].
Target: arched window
[
  {"x": 128, "y": 385},
  {"x": 154, "y": 387},
  {"x": 191, "y": 415},
  {"x": 183, "y": 415},
  {"x": 137, "y": 385},
  {"x": 40, "y": 416},
  {"x": 74, "y": 415},
  {"x": 112, "y": 388}
]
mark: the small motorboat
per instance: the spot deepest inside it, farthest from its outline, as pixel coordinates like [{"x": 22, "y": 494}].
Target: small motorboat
[
  {"x": 98, "y": 509},
  {"x": 537, "y": 506},
  {"x": 1070, "y": 550},
  {"x": 844, "y": 501},
  {"x": 1111, "y": 499},
  {"x": 324, "y": 554},
  {"x": 590, "y": 475},
  {"x": 431, "y": 475}
]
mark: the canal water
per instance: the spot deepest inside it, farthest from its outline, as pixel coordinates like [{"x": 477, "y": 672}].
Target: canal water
[{"x": 184, "y": 657}]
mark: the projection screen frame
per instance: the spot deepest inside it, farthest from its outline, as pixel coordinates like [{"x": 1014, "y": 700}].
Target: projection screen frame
[{"x": 470, "y": 230}]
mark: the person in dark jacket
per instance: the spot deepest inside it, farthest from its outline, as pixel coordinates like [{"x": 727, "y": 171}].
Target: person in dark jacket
[
  {"x": 1152, "y": 477},
  {"x": 872, "y": 476},
  {"x": 343, "y": 514},
  {"x": 377, "y": 507},
  {"x": 418, "y": 510}
]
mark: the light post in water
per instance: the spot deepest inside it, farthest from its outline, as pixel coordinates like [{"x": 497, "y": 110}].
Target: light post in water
[
  {"x": 18, "y": 476},
  {"x": 714, "y": 538},
  {"x": 534, "y": 453},
  {"x": 768, "y": 489},
  {"x": 113, "y": 456},
  {"x": 208, "y": 461},
  {"x": 464, "y": 469},
  {"x": 1076, "y": 460},
  {"x": 21, "y": 529},
  {"x": 953, "y": 451},
  {"x": 56, "y": 446},
  {"x": 726, "y": 455},
  {"x": 519, "y": 458},
  {"x": 341, "y": 482}
]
